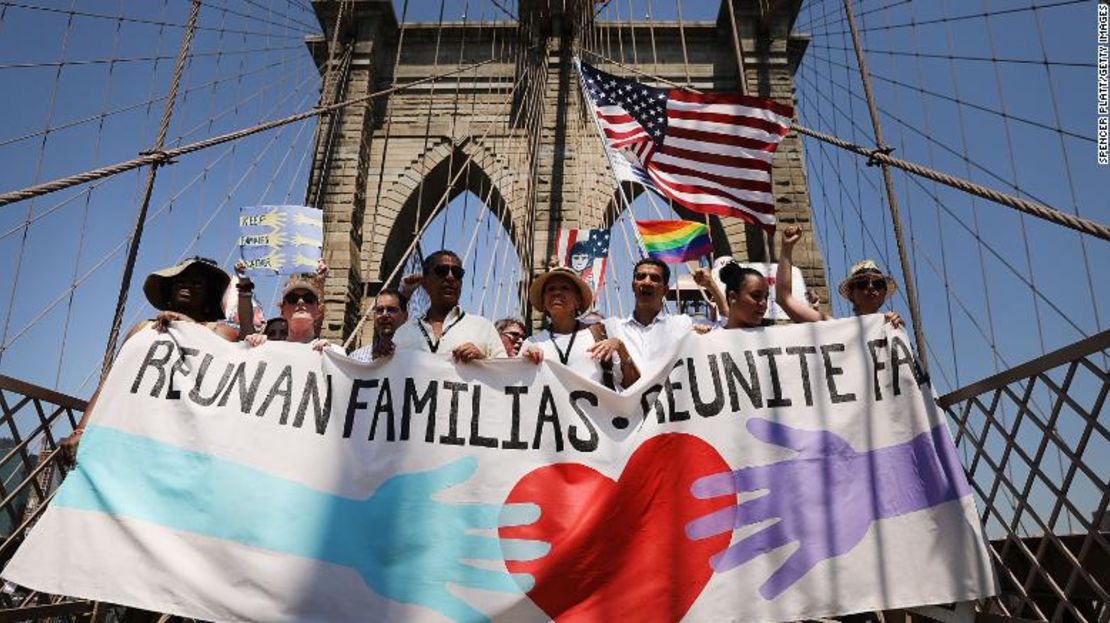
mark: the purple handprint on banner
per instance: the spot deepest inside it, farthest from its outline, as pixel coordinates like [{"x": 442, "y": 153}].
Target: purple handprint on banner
[{"x": 825, "y": 498}]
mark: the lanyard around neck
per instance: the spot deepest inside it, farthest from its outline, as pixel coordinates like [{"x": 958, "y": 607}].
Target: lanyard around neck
[
  {"x": 434, "y": 345},
  {"x": 564, "y": 357}
]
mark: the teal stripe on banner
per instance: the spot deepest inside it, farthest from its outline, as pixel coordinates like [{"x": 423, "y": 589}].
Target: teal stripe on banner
[{"x": 406, "y": 545}]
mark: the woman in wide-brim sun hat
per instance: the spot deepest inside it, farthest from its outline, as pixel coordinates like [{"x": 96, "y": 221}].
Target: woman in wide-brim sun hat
[
  {"x": 563, "y": 296},
  {"x": 866, "y": 287}
]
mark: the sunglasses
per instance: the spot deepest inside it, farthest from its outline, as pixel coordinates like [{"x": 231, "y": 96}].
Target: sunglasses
[
  {"x": 308, "y": 297},
  {"x": 443, "y": 270},
  {"x": 650, "y": 276},
  {"x": 382, "y": 310},
  {"x": 876, "y": 283},
  {"x": 515, "y": 336}
]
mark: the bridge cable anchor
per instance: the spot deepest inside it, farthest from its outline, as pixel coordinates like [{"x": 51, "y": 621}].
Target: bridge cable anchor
[
  {"x": 872, "y": 160},
  {"x": 163, "y": 157}
]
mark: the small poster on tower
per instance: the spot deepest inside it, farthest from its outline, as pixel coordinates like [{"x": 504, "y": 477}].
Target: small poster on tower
[{"x": 586, "y": 252}]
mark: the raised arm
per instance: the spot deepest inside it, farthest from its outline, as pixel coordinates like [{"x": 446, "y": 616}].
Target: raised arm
[
  {"x": 798, "y": 309},
  {"x": 705, "y": 279}
]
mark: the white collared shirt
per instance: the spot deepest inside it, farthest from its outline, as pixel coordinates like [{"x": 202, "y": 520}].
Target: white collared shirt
[
  {"x": 459, "y": 328},
  {"x": 653, "y": 344},
  {"x": 575, "y": 347}
]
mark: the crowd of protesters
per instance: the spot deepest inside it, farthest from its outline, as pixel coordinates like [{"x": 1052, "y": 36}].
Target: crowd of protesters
[{"x": 611, "y": 351}]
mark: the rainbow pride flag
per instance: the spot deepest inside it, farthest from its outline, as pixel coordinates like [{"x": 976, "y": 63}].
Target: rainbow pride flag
[{"x": 674, "y": 241}]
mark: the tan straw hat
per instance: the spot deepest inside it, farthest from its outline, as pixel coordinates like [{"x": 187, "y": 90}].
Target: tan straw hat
[
  {"x": 158, "y": 292},
  {"x": 535, "y": 293},
  {"x": 866, "y": 267}
]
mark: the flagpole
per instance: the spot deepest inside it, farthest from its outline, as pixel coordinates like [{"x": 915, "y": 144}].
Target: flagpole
[{"x": 608, "y": 158}]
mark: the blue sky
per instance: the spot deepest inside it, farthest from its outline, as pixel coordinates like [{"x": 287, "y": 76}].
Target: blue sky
[{"x": 249, "y": 65}]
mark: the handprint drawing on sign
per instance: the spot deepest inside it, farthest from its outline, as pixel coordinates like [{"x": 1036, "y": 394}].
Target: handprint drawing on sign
[
  {"x": 407, "y": 545},
  {"x": 826, "y": 498}
]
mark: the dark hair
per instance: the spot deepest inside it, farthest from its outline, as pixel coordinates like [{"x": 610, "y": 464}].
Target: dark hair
[
  {"x": 734, "y": 275},
  {"x": 402, "y": 300},
  {"x": 431, "y": 260},
  {"x": 651, "y": 261},
  {"x": 582, "y": 247},
  {"x": 276, "y": 328}
]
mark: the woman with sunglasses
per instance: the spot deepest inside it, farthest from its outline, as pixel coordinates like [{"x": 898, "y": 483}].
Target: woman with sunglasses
[
  {"x": 302, "y": 307},
  {"x": 866, "y": 287}
]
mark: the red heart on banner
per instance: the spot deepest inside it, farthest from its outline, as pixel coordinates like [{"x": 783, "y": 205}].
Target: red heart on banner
[{"x": 619, "y": 549}]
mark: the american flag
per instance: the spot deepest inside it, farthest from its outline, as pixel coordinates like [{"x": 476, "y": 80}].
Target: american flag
[{"x": 709, "y": 152}]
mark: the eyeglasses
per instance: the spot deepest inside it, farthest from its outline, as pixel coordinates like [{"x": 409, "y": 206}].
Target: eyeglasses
[
  {"x": 876, "y": 283},
  {"x": 515, "y": 336},
  {"x": 652, "y": 276},
  {"x": 308, "y": 297},
  {"x": 443, "y": 270},
  {"x": 382, "y": 310}
]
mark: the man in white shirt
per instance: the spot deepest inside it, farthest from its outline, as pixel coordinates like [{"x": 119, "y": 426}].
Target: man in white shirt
[
  {"x": 649, "y": 334},
  {"x": 445, "y": 328},
  {"x": 391, "y": 311}
]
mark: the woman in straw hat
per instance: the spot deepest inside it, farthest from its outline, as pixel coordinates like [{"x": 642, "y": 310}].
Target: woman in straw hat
[
  {"x": 191, "y": 291},
  {"x": 866, "y": 287},
  {"x": 563, "y": 296}
]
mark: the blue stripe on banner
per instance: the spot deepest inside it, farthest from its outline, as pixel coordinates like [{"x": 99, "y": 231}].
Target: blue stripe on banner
[{"x": 406, "y": 545}]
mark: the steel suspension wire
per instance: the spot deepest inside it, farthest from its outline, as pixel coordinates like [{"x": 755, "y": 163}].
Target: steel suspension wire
[
  {"x": 1014, "y": 175},
  {"x": 38, "y": 172},
  {"x": 1052, "y": 215},
  {"x": 983, "y": 246},
  {"x": 130, "y": 107},
  {"x": 1036, "y": 7},
  {"x": 1072, "y": 191},
  {"x": 963, "y": 156},
  {"x": 956, "y": 99},
  {"x": 132, "y": 20},
  {"x": 136, "y": 59},
  {"x": 943, "y": 274},
  {"x": 335, "y": 79},
  {"x": 148, "y": 190},
  {"x": 103, "y": 259},
  {"x": 423, "y": 225},
  {"x": 416, "y": 224},
  {"x": 891, "y": 194},
  {"x": 166, "y": 156},
  {"x": 85, "y": 212}
]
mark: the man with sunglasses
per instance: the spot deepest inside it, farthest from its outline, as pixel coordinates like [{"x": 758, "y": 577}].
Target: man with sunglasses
[
  {"x": 391, "y": 311},
  {"x": 445, "y": 328},
  {"x": 649, "y": 333},
  {"x": 866, "y": 287}
]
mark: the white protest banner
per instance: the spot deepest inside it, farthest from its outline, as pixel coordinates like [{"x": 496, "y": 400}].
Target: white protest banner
[{"x": 776, "y": 474}]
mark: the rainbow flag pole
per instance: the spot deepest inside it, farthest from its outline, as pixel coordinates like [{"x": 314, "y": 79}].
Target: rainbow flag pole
[{"x": 674, "y": 242}]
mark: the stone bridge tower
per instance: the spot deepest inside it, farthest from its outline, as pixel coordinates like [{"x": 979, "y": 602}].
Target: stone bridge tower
[{"x": 382, "y": 168}]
